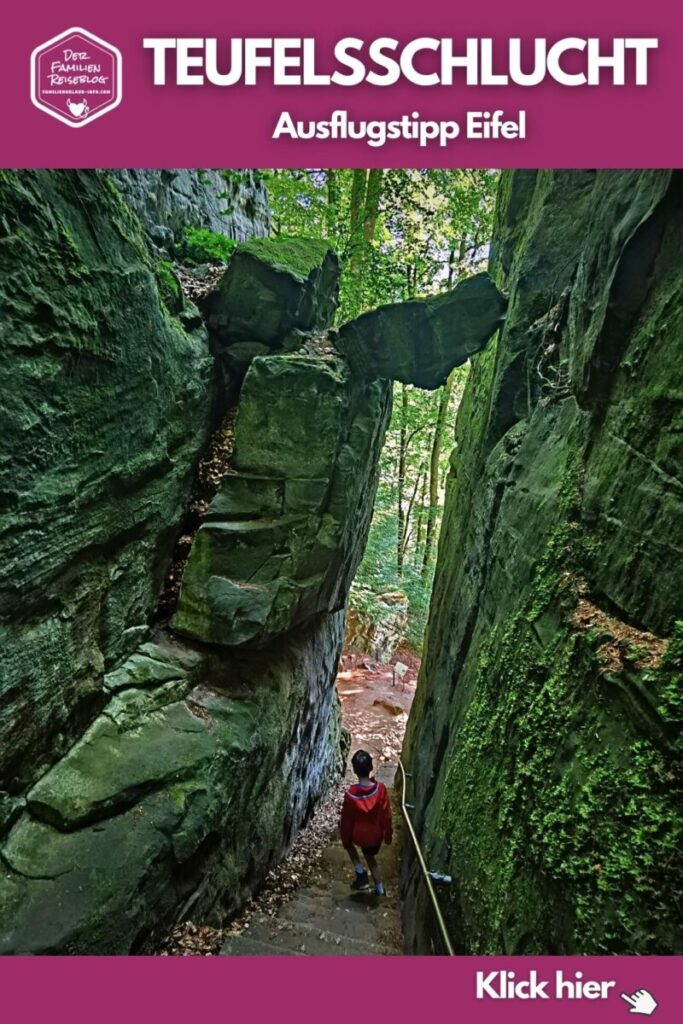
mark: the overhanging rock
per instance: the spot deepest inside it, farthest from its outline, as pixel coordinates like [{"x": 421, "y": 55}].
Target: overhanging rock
[
  {"x": 285, "y": 533},
  {"x": 420, "y": 342}
]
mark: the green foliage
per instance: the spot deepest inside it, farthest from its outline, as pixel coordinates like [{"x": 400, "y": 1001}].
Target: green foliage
[
  {"x": 431, "y": 227},
  {"x": 377, "y": 575},
  {"x": 201, "y": 245},
  {"x": 671, "y": 669},
  {"x": 379, "y": 571}
]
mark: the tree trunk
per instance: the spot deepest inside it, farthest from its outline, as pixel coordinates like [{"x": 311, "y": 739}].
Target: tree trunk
[
  {"x": 401, "y": 518},
  {"x": 433, "y": 511},
  {"x": 358, "y": 188},
  {"x": 354, "y": 262},
  {"x": 332, "y": 211},
  {"x": 419, "y": 536},
  {"x": 451, "y": 268},
  {"x": 372, "y": 196},
  {"x": 409, "y": 511}
]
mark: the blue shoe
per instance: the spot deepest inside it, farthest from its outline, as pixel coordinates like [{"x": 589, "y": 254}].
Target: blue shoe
[
  {"x": 380, "y": 890},
  {"x": 361, "y": 883}
]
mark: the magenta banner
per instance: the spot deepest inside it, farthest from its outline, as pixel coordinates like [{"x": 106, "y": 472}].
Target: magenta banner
[
  {"x": 504, "y": 85},
  {"x": 481, "y": 989}
]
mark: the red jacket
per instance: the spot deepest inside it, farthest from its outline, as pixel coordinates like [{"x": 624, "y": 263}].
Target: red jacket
[{"x": 366, "y": 815}]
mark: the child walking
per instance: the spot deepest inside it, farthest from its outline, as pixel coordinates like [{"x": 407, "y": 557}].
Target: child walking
[{"x": 365, "y": 822}]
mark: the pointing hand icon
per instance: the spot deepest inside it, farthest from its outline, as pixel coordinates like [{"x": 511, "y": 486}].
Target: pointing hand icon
[{"x": 641, "y": 1002}]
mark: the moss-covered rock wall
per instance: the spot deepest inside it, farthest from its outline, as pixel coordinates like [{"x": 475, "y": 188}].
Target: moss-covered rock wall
[
  {"x": 105, "y": 409},
  {"x": 149, "y": 768},
  {"x": 542, "y": 743}
]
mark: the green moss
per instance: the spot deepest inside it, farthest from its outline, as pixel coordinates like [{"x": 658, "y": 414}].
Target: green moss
[
  {"x": 169, "y": 286},
  {"x": 542, "y": 785},
  {"x": 295, "y": 256}
]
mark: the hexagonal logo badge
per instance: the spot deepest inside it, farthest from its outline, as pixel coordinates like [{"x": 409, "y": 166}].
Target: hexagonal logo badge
[{"x": 76, "y": 77}]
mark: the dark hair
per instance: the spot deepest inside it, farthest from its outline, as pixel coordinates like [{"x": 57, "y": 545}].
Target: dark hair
[{"x": 361, "y": 763}]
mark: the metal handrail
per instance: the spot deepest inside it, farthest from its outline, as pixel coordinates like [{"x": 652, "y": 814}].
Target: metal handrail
[{"x": 423, "y": 867}]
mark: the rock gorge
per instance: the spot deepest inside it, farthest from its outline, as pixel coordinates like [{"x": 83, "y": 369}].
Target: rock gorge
[
  {"x": 159, "y": 750},
  {"x": 544, "y": 742}
]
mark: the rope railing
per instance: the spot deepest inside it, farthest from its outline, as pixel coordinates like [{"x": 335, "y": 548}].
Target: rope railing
[{"x": 426, "y": 874}]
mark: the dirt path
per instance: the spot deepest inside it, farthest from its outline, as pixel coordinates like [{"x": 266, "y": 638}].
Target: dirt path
[
  {"x": 315, "y": 874},
  {"x": 375, "y": 706}
]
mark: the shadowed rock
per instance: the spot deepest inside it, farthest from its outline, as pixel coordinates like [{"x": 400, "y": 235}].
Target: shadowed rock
[
  {"x": 543, "y": 732},
  {"x": 106, "y": 403},
  {"x": 420, "y": 342},
  {"x": 285, "y": 533},
  {"x": 142, "y": 815},
  {"x": 274, "y": 286},
  {"x": 120, "y": 760}
]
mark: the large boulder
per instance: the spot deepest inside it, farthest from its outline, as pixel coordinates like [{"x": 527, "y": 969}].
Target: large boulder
[
  {"x": 182, "y": 793},
  {"x": 285, "y": 533},
  {"x": 542, "y": 742},
  {"x": 274, "y": 286},
  {"x": 420, "y": 342}
]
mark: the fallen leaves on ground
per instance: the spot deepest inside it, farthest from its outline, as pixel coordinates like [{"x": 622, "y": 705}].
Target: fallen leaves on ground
[
  {"x": 214, "y": 465},
  {"x": 198, "y": 282}
]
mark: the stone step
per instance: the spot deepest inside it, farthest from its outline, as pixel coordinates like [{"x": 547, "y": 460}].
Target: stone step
[
  {"x": 300, "y": 937},
  {"x": 364, "y": 926},
  {"x": 372, "y": 912},
  {"x": 358, "y": 903},
  {"x": 341, "y": 894},
  {"x": 244, "y": 945}
]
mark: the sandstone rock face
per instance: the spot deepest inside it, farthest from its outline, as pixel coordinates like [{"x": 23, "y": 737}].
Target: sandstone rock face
[
  {"x": 105, "y": 410},
  {"x": 542, "y": 739},
  {"x": 138, "y": 777},
  {"x": 378, "y": 631},
  {"x": 149, "y": 770},
  {"x": 167, "y": 201},
  {"x": 286, "y": 532},
  {"x": 177, "y": 796},
  {"x": 420, "y": 342}
]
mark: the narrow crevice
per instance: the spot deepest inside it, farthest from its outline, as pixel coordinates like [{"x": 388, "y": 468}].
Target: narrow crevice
[{"x": 213, "y": 466}]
